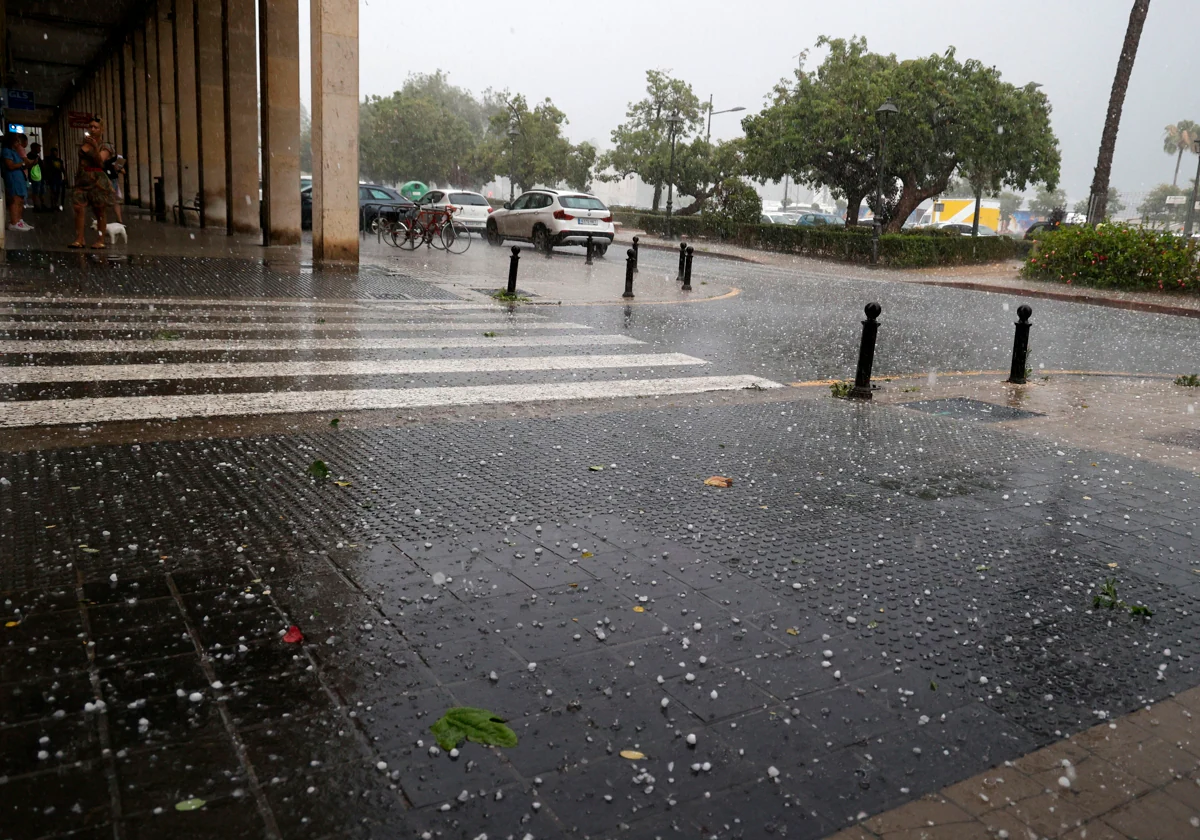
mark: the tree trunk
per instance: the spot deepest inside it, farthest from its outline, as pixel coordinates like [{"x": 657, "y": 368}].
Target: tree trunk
[
  {"x": 853, "y": 205},
  {"x": 1116, "y": 101},
  {"x": 657, "y": 197},
  {"x": 975, "y": 221},
  {"x": 910, "y": 197},
  {"x": 1178, "y": 160}
]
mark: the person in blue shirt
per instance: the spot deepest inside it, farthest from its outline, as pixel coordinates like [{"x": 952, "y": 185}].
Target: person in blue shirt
[{"x": 16, "y": 185}]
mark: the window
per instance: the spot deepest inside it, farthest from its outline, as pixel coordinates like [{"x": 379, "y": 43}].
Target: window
[
  {"x": 363, "y": 194},
  {"x": 538, "y": 200},
  {"x": 380, "y": 195},
  {"x": 468, "y": 198},
  {"x": 581, "y": 202},
  {"x": 522, "y": 202}
]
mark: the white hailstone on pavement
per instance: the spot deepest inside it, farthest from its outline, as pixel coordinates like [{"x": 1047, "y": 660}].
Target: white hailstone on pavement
[
  {"x": 712, "y": 694},
  {"x": 797, "y": 586},
  {"x": 703, "y": 660},
  {"x": 453, "y": 753},
  {"x": 696, "y": 626},
  {"x": 773, "y": 772},
  {"x": 983, "y": 680},
  {"x": 532, "y": 666},
  {"x": 690, "y": 677},
  {"x": 665, "y": 702},
  {"x": 1064, "y": 782},
  {"x": 828, "y": 654},
  {"x": 691, "y": 739},
  {"x": 381, "y": 765},
  {"x": 493, "y": 676},
  {"x": 195, "y": 696}
]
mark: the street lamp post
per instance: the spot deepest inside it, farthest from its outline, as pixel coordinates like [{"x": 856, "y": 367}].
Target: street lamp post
[
  {"x": 1189, "y": 226},
  {"x": 673, "y": 122},
  {"x": 708, "y": 133},
  {"x": 513, "y": 134},
  {"x": 882, "y": 114}
]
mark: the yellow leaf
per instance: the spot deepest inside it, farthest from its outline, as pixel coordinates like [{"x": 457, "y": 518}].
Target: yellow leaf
[
  {"x": 586, "y": 554},
  {"x": 573, "y": 585},
  {"x": 1087, "y": 498},
  {"x": 792, "y": 631},
  {"x": 719, "y": 481},
  {"x": 48, "y": 527},
  {"x": 342, "y": 483},
  {"x": 633, "y": 755},
  {"x": 11, "y": 623},
  {"x": 639, "y": 609},
  {"x": 1112, "y": 565}
]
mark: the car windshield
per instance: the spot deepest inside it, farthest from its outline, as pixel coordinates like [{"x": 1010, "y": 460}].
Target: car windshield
[
  {"x": 468, "y": 198},
  {"x": 581, "y": 202}
]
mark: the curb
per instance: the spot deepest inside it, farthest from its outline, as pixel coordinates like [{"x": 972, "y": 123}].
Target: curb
[
  {"x": 1093, "y": 300},
  {"x": 672, "y": 250}
]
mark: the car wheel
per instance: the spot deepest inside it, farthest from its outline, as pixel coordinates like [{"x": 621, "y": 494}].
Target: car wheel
[
  {"x": 541, "y": 239},
  {"x": 493, "y": 235},
  {"x": 600, "y": 250}
]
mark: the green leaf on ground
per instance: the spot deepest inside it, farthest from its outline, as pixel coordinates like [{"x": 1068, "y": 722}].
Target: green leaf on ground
[
  {"x": 318, "y": 470},
  {"x": 190, "y": 805},
  {"x": 335, "y": 421},
  {"x": 596, "y": 469},
  {"x": 464, "y": 723}
]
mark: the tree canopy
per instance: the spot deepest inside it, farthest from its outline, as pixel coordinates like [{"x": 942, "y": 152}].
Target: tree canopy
[
  {"x": 954, "y": 117},
  {"x": 537, "y": 153},
  {"x": 1047, "y": 200}
]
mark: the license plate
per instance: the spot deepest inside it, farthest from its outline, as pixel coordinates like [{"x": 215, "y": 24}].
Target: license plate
[{"x": 587, "y": 221}]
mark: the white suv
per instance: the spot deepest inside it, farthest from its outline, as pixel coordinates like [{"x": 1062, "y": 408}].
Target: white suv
[
  {"x": 471, "y": 208},
  {"x": 553, "y": 217}
]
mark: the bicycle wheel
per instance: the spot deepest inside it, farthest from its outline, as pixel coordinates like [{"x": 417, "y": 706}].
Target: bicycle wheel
[
  {"x": 456, "y": 238},
  {"x": 408, "y": 235},
  {"x": 433, "y": 235}
]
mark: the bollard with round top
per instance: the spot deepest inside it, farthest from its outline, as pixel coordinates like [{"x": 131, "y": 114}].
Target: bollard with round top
[
  {"x": 1020, "y": 356},
  {"x": 682, "y": 259},
  {"x": 635, "y": 255},
  {"x": 687, "y": 269},
  {"x": 588, "y": 261},
  {"x": 513, "y": 263},
  {"x": 866, "y": 354},
  {"x": 630, "y": 267}
]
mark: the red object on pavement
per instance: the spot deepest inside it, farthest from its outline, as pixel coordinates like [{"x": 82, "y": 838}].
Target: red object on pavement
[{"x": 293, "y": 636}]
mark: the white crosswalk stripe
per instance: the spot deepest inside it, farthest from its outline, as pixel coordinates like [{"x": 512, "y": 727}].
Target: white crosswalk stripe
[{"x": 44, "y": 383}]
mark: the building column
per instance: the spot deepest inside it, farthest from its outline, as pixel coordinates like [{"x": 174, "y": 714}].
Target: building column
[
  {"x": 279, "y": 77},
  {"x": 210, "y": 111},
  {"x": 188, "y": 137},
  {"x": 141, "y": 81},
  {"x": 241, "y": 115},
  {"x": 129, "y": 118},
  {"x": 334, "y": 25},
  {"x": 168, "y": 119}
]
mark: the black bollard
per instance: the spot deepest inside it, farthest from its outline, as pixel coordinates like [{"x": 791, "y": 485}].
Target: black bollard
[
  {"x": 682, "y": 259},
  {"x": 630, "y": 267},
  {"x": 687, "y": 269},
  {"x": 635, "y": 255},
  {"x": 589, "y": 250},
  {"x": 513, "y": 262},
  {"x": 866, "y": 354},
  {"x": 1016, "y": 374}
]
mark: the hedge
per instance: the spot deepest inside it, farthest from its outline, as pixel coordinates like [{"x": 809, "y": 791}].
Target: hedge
[
  {"x": 1117, "y": 257},
  {"x": 908, "y": 249}
]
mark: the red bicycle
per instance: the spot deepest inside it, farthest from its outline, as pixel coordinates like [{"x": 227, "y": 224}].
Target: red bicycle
[{"x": 434, "y": 227}]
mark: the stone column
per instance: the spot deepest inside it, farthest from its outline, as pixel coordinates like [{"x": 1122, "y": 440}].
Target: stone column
[
  {"x": 147, "y": 122},
  {"x": 210, "y": 110},
  {"x": 241, "y": 115},
  {"x": 168, "y": 120},
  {"x": 129, "y": 117},
  {"x": 279, "y": 76},
  {"x": 188, "y": 137},
  {"x": 334, "y": 25}
]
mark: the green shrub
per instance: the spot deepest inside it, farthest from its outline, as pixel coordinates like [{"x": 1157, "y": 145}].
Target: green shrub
[
  {"x": 1117, "y": 257},
  {"x": 901, "y": 250}
]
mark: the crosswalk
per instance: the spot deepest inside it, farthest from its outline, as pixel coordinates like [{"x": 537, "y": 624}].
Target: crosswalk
[{"x": 85, "y": 360}]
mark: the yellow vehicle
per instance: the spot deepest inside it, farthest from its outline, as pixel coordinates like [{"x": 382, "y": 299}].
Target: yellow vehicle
[{"x": 962, "y": 210}]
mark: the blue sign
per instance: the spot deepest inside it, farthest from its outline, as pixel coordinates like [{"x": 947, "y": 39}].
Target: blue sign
[
  {"x": 21, "y": 100},
  {"x": 16, "y": 128}
]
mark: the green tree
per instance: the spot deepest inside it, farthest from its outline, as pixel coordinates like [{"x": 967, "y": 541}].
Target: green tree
[
  {"x": 1010, "y": 203},
  {"x": 642, "y": 144},
  {"x": 1155, "y": 210},
  {"x": 1112, "y": 207},
  {"x": 1116, "y": 102},
  {"x": 823, "y": 129},
  {"x": 735, "y": 202},
  {"x": 1046, "y": 201},
  {"x": 1177, "y": 139},
  {"x": 538, "y": 153}
]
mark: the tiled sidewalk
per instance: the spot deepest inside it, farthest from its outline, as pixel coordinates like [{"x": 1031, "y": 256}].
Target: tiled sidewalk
[{"x": 1136, "y": 778}]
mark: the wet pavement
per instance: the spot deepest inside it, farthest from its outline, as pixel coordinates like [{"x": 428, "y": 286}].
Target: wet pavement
[{"x": 885, "y": 602}]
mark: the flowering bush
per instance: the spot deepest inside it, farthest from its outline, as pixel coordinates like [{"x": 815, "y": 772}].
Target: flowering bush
[{"x": 1117, "y": 257}]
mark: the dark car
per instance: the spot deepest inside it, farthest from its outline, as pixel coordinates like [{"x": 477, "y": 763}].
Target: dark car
[
  {"x": 374, "y": 200},
  {"x": 1038, "y": 228},
  {"x": 819, "y": 220}
]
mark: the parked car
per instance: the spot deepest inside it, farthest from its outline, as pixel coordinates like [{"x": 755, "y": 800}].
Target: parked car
[
  {"x": 374, "y": 200},
  {"x": 819, "y": 220},
  {"x": 965, "y": 228},
  {"x": 470, "y": 208},
  {"x": 549, "y": 218},
  {"x": 775, "y": 219}
]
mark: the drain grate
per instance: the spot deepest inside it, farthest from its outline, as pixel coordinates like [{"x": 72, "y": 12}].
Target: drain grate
[{"x": 963, "y": 408}]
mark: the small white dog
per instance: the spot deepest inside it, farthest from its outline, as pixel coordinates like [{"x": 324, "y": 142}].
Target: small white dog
[{"x": 114, "y": 229}]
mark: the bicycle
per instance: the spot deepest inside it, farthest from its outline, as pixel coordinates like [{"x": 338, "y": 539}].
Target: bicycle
[{"x": 433, "y": 227}]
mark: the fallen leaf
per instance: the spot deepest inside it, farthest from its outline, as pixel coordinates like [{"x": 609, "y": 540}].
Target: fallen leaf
[
  {"x": 639, "y": 609},
  {"x": 596, "y": 469},
  {"x": 792, "y": 631},
  {"x": 189, "y": 805},
  {"x": 318, "y": 469},
  {"x": 632, "y": 755},
  {"x": 342, "y": 483},
  {"x": 719, "y": 481},
  {"x": 1112, "y": 565},
  {"x": 11, "y": 623},
  {"x": 573, "y": 585},
  {"x": 464, "y": 723},
  {"x": 586, "y": 554},
  {"x": 335, "y": 421},
  {"x": 293, "y": 636}
]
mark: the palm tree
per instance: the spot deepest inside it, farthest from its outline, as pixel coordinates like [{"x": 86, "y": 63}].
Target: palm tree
[
  {"x": 1178, "y": 139},
  {"x": 1116, "y": 101}
]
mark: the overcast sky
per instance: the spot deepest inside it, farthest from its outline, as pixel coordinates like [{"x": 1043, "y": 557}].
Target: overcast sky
[{"x": 591, "y": 59}]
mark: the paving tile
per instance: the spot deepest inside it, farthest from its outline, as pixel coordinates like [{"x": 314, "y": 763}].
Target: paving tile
[
  {"x": 1047, "y": 814},
  {"x": 1096, "y": 786},
  {"x": 1172, "y": 722},
  {"x": 1155, "y": 816},
  {"x": 994, "y": 789},
  {"x": 50, "y": 803},
  {"x": 1095, "y": 830},
  {"x": 932, "y": 810}
]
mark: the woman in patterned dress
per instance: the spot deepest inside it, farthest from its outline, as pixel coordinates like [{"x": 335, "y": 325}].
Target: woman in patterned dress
[{"x": 92, "y": 186}]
